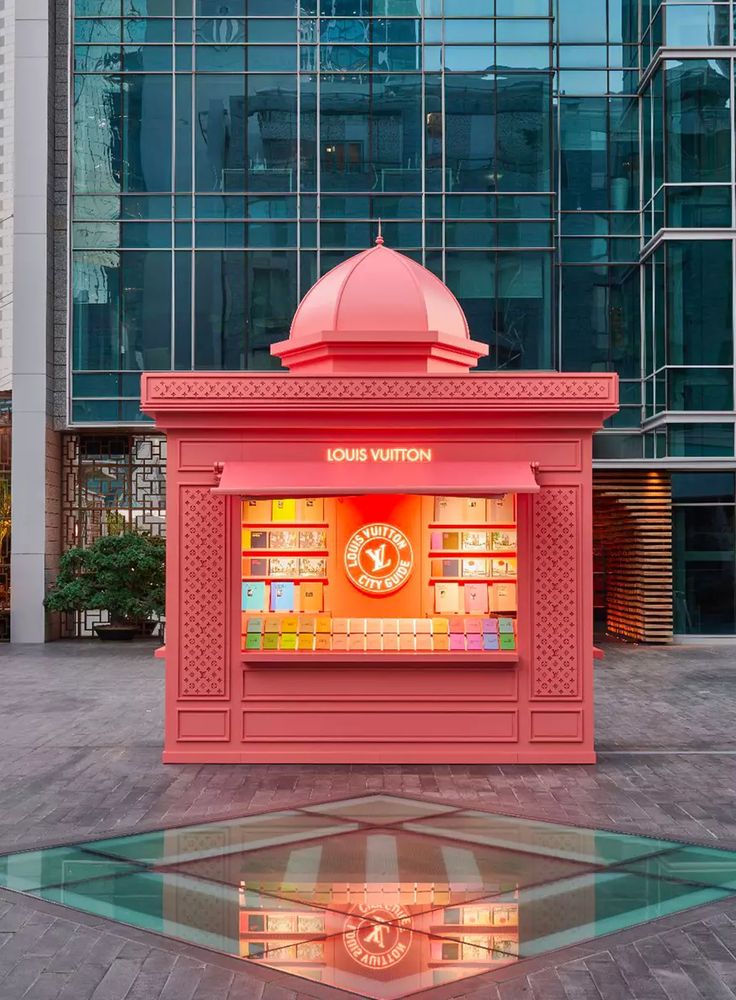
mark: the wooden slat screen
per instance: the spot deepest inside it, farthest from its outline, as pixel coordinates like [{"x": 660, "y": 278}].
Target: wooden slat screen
[{"x": 632, "y": 525}]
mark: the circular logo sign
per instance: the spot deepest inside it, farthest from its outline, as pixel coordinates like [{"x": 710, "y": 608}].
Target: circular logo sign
[
  {"x": 378, "y": 558},
  {"x": 377, "y": 937}
]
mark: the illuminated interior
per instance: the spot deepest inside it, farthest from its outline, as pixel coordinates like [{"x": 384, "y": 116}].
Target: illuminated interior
[{"x": 383, "y": 573}]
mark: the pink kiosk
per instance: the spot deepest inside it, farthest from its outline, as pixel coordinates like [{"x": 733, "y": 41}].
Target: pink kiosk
[{"x": 378, "y": 557}]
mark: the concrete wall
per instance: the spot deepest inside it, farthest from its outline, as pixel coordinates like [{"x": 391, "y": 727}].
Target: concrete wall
[{"x": 33, "y": 435}]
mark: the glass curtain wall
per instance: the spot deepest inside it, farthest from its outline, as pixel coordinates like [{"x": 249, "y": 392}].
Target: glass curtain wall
[{"x": 228, "y": 152}]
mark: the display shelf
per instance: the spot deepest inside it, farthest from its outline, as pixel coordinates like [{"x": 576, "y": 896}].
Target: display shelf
[
  {"x": 284, "y": 579},
  {"x": 471, "y": 525},
  {"x": 336, "y": 658},
  {"x": 472, "y": 579},
  {"x": 284, "y": 553},
  {"x": 470, "y": 553},
  {"x": 284, "y": 524}
]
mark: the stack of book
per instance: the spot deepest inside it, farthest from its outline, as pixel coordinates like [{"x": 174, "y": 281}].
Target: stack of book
[{"x": 313, "y": 633}]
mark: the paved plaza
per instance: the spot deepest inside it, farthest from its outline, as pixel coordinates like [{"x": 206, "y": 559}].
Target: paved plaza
[{"x": 80, "y": 736}]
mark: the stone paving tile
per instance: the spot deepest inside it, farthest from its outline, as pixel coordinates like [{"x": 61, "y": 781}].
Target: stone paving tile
[{"x": 80, "y": 754}]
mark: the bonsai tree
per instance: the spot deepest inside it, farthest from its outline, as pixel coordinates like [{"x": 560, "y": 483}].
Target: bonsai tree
[{"x": 122, "y": 574}]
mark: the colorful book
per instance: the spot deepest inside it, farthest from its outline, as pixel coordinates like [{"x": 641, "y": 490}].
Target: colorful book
[
  {"x": 457, "y": 626},
  {"x": 490, "y": 625},
  {"x": 356, "y": 626},
  {"x": 271, "y": 624},
  {"x": 245, "y": 539},
  {"x": 310, "y": 596},
  {"x": 390, "y": 642},
  {"x": 451, "y": 541},
  {"x": 289, "y": 623},
  {"x": 474, "y": 541},
  {"x": 475, "y": 568},
  {"x": 271, "y": 640},
  {"x": 406, "y": 626},
  {"x": 505, "y": 596},
  {"x": 373, "y": 642},
  {"x": 440, "y": 626},
  {"x": 322, "y": 641},
  {"x": 423, "y": 643},
  {"x": 490, "y": 640},
  {"x": 288, "y": 640},
  {"x": 501, "y": 509},
  {"x": 284, "y": 538},
  {"x": 448, "y": 510},
  {"x": 476, "y": 598},
  {"x": 312, "y": 538},
  {"x": 284, "y": 566},
  {"x": 457, "y": 641},
  {"x": 473, "y": 626},
  {"x": 312, "y": 566},
  {"x": 339, "y": 626},
  {"x": 441, "y": 643},
  {"x": 259, "y": 567},
  {"x": 306, "y": 642},
  {"x": 423, "y": 626},
  {"x": 447, "y": 598},
  {"x": 311, "y": 509},
  {"x": 323, "y": 623},
  {"x": 253, "y": 596},
  {"x": 256, "y": 510},
  {"x": 474, "y": 642},
  {"x": 253, "y": 640},
  {"x": 507, "y": 640},
  {"x": 306, "y": 623},
  {"x": 390, "y": 626},
  {"x": 373, "y": 626},
  {"x": 450, "y": 567},
  {"x": 506, "y": 625},
  {"x": 406, "y": 642},
  {"x": 259, "y": 539},
  {"x": 340, "y": 642},
  {"x": 474, "y": 510},
  {"x": 283, "y": 595},
  {"x": 255, "y": 625},
  {"x": 283, "y": 510},
  {"x": 504, "y": 541},
  {"x": 435, "y": 540}
]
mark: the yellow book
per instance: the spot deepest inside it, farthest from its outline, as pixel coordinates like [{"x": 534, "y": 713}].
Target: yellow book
[
  {"x": 283, "y": 510},
  {"x": 310, "y": 596},
  {"x": 440, "y": 626},
  {"x": 245, "y": 538},
  {"x": 306, "y": 623},
  {"x": 306, "y": 641},
  {"x": 289, "y": 623},
  {"x": 322, "y": 641},
  {"x": 288, "y": 640},
  {"x": 323, "y": 624}
]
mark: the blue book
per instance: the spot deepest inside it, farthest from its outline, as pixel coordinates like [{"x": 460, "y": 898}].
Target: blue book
[
  {"x": 254, "y": 596},
  {"x": 283, "y": 596},
  {"x": 490, "y": 640}
]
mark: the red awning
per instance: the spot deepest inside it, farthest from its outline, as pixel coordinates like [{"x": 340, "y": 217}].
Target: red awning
[{"x": 312, "y": 479}]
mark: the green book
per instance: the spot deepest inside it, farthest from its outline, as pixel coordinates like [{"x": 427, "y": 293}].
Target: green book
[
  {"x": 271, "y": 640},
  {"x": 255, "y": 625},
  {"x": 288, "y": 640},
  {"x": 506, "y": 625},
  {"x": 507, "y": 641},
  {"x": 253, "y": 640}
]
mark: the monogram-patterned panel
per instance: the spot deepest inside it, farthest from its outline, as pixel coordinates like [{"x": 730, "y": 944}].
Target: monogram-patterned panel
[
  {"x": 555, "y": 662},
  {"x": 523, "y": 389},
  {"x": 203, "y": 594}
]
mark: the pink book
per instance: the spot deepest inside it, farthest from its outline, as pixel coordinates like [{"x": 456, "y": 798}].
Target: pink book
[
  {"x": 424, "y": 643},
  {"x": 423, "y": 625},
  {"x": 372, "y": 642},
  {"x": 457, "y": 641},
  {"x": 390, "y": 643},
  {"x": 490, "y": 625},
  {"x": 406, "y": 642},
  {"x": 476, "y": 598},
  {"x": 475, "y": 642},
  {"x": 457, "y": 625},
  {"x": 340, "y": 642},
  {"x": 356, "y": 643},
  {"x": 472, "y": 626},
  {"x": 406, "y": 626}
]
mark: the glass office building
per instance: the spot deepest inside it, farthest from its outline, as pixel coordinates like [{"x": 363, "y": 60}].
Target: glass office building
[{"x": 566, "y": 167}]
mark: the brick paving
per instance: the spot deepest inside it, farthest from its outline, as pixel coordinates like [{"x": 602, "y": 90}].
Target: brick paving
[{"x": 80, "y": 747}]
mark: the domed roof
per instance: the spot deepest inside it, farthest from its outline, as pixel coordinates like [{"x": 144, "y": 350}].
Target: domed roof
[{"x": 379, "y": 311}]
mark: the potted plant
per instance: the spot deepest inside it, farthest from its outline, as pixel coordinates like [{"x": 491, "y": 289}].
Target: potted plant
[{"x": 122, "y": 574}]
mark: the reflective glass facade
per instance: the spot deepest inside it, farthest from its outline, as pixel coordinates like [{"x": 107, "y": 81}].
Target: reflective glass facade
[{"x": 566, "y": 167}]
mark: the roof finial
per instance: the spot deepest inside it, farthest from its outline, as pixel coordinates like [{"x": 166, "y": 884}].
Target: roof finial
[{"x": 379, "y": 238}]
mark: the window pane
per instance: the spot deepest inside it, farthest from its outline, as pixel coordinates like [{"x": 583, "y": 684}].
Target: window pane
[
  {"x": 704, "y": 564},
  {"x": 699, "y": 303},
  {"x": 698, "y": 103}
]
